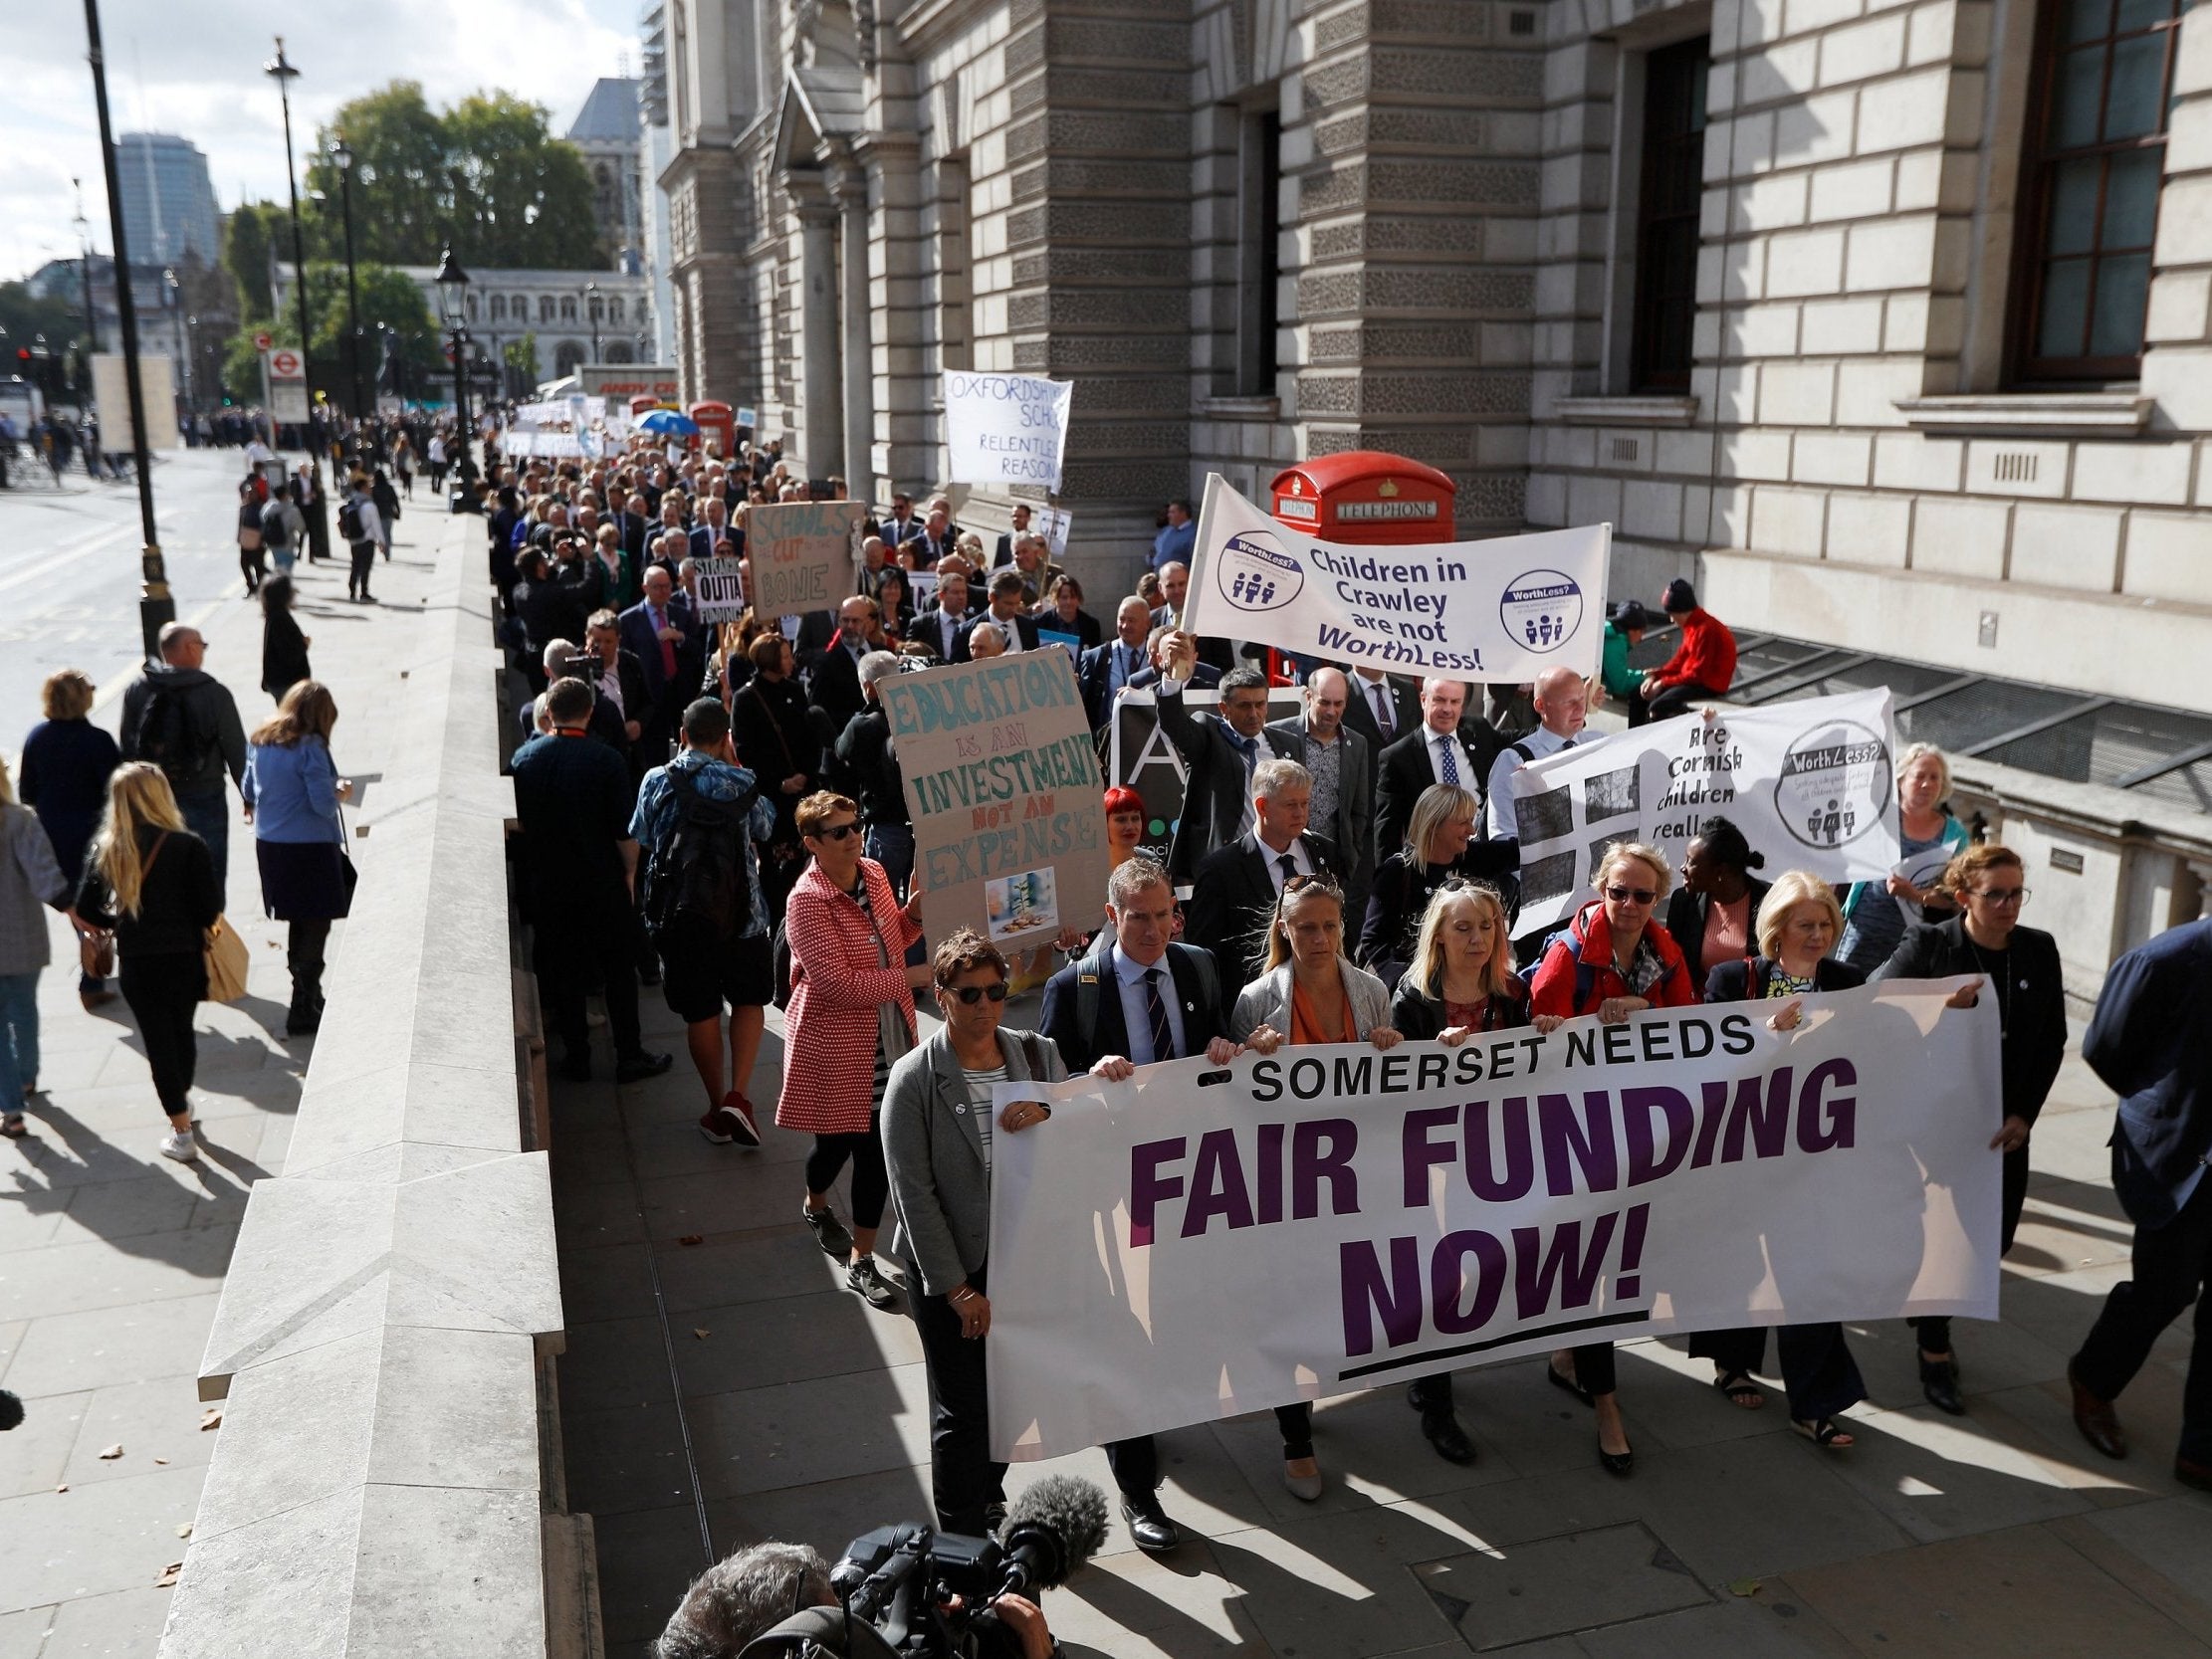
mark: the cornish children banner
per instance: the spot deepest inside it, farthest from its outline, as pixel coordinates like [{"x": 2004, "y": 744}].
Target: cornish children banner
[
  {"x": 1813, "y": 780},
  {"x": 1503, "y": 609},
  {"x": 1198, "y": 1242}
]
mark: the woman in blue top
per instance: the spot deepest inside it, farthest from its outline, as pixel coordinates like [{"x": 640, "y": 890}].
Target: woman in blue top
[{"x": 292, "y": 791}]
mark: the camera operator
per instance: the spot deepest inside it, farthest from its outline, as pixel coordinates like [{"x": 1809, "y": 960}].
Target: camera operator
[{"x": 745, "y": 1594}]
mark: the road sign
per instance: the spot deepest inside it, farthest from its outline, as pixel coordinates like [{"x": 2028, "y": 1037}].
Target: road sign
[
  {"x": 263, "y": 342},
  {"x": 288, "y": 384},
  {"x": 286, "y": 364}
]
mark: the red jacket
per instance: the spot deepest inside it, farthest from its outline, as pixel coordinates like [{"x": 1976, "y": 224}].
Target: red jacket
[
  {"x": 1706, "y": 656},
  {"x": 829, "y": 1030},
  {"x": 1552, "y": 989}
]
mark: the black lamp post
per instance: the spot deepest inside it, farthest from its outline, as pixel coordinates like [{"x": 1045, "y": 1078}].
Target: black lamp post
[
  {"x": 344, "y": 157},
  {"x": 591, "y": 304},
  {"x": 156, "y": 609},
  {"x": 281, "y": 70},
  {"x": 453, "y": 306}
]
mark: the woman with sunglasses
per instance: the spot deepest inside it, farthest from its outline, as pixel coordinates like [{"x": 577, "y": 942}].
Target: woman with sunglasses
[
  {"x": 1461, "y": 984},
  {"x": 1436, "y": 837},
  {"x": 2020, "y": 966},
  {"x": 1613, "y": 962},
  {"x": 938, "y": 1129},
  {"x": 851, "y": 1017},
  {"x": 1308, "y": 993}
]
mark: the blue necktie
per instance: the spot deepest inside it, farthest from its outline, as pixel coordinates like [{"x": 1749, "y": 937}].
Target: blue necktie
[
  {"x": 1451, "y": 761},
  {"x": 1155, "y": 1016}
]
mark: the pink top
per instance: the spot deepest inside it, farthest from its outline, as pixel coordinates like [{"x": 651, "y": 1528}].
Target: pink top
[{"x": 1727, "y": 931}]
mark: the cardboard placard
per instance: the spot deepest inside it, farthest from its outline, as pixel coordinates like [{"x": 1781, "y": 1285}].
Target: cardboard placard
[{"x": 802, "y": 556}]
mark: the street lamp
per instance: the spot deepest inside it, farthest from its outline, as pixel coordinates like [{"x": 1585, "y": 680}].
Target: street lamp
[
  {"x": 453, "y": 306},
  {"x": 85, "y": 268},
  {"x": 279, "y": 69},
  {"x": 591, "y": 304},
  {"x": 344, "y": 157}
]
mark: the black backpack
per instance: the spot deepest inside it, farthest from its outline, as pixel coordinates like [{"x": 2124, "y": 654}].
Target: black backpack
[
  {"x": 276, "y": 529},
  {"x": 349, "y": 520},
  {"x": 167, "y": 734},
  {"x": 697, "y": 879}
]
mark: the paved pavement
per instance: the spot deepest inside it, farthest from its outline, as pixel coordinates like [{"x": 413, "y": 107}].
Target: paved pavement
[
  {"x": 720, "y": 1388},
  {"x": 110, "y": 1256}
]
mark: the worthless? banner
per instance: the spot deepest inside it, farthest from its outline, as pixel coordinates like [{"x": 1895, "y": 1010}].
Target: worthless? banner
[{"x": 1193, "y": 1244}]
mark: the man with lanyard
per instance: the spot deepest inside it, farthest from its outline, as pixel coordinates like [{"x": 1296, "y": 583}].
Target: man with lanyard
[{"x": 1562, "y": 709}]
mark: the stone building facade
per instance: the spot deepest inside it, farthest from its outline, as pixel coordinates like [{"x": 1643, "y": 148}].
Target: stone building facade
[{"x": 1889, "y": 323}]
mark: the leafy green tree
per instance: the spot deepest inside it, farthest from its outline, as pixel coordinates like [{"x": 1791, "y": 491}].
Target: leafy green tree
[
  {"x": 522, "y": 199},
  {"x": 248, "y": 235},
  {"x": 521, "y": 356},
  {"x": 388, "y": 297},
  {"x": 403, "y": 179}
]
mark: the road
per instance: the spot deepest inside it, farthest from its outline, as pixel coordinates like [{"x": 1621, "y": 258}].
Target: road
[{"x": 69, "y": 575}]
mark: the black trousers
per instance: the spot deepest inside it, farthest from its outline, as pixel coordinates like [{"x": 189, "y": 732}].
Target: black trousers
[
  {"x": 164, "y": 992},
  {"x": 364, "y": 561},
  {"x": 304, "y": 950},
  {"x": 253, "y": 565},
  {"x": 2172, "y": 1265},
  {"x": 871, "y": 1180},
  {"x": 569, "y": 954},
  {"x": 1936, "y": 1329},
  {"x": 1136, "y": 1463},
  {"x": 1676, "y": 699},
  {"x": 964, "y": 1480},
  {"x": 1818, "y": 1371}
]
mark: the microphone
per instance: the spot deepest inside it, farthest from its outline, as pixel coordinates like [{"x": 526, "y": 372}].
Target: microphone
[{"x": 1052, "y": 1530}]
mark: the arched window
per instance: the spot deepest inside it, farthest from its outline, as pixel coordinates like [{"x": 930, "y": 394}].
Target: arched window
[
  {"x": 499, "y": 306},
  {"x": 615, "y": 308},
  {"x": 566, "y": 357},
  {"x": 598, "y": 308},
  {"x": 618, "y": 352},
  {"x": 545, "y": 307},
  {"x": 472, "y": 307},
  {"x": 521, "y": 307},
  {"x": 568, "y": 307}
]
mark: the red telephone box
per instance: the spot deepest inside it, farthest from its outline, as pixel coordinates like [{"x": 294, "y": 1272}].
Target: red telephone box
[
  {"x": 717, "y": 421},
  {"x": 1365, "y": 496}
]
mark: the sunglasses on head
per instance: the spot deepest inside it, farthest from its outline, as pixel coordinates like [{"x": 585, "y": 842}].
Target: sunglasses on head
[
  {"x": 836, "y": 832},
  {"x": 973, "y": 994},
  {"x": 1626, "y": 894}
]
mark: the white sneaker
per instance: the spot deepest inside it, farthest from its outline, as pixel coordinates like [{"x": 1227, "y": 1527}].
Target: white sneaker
[{"x": 182, "y": 1148}]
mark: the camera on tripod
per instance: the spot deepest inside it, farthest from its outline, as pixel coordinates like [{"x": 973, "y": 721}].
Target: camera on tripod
[{"x": 907, "y": 1591}]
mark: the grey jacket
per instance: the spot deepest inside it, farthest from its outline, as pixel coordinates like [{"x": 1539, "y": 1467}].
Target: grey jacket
[
  {"x": 940, "y": 1190},
  {"x": 1267, "y": 1001},
  {"x": 30, "y": 879}
]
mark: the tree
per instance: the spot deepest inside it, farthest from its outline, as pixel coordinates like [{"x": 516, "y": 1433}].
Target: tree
[
  {"x": 403, "y": 179},
  {"x": 522, "y": 199},
  {"x": 388, "y": 297},
  {"x": 249, "y": 233}
]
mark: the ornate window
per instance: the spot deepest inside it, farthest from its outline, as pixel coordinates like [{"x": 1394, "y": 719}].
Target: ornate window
[
  {"x": 1667, "y": 193},
  {"x": 545, "y": 307},
  {"x": 568, "y": 307},
  {"x": 499, "y": 307},
  {"x": 2095, "y": 149}
]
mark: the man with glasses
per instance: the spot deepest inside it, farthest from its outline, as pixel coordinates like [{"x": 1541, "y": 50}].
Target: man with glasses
[
  {"x": 1138, "y": 998},
  {"x": 834, "y": 687},
  {"x": 1220, "y": 753}
]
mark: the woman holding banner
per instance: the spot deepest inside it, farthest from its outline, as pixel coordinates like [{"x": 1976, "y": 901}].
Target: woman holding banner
[
  {"x": 2021, "y": 965},
  {"x": 1461, "y": 984},
  {"x": 1436, "y": 838},
  {"x": 1613, "y": 962},
  {"x": 1798, "y": 925},
  {"x": 1309, "y": 994}
]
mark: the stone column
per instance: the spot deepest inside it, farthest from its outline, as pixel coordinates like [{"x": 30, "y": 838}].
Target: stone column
[
  {"x": 821, "y": 399},
  {"x": 851, "y": 191}
]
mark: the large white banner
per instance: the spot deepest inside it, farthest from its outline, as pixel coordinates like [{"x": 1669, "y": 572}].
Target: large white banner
[
  {"x": 1005, "y": 428},
  {"x": 1811, "y": 785},
  {"x": 1193, "y": 1244},
  {"x": 1503, "y": 609}
]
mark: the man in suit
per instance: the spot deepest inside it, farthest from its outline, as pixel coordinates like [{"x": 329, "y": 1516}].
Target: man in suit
[
  {"x": 1019, "y": 627},
  {"x": 1106, "y": 668},
  {"x": 713, "y": 538},
  {"x": 1007, "y": 539},
  {"x": 1233, "y": 892},
  {"x": 835, "y": 685},
  {"x": 1381, "y": 709},
  {"x": 1219, "y": 753},
  {"x": 618, "y": 677},
  {"x": 938, "y": 538},
  {"x": 1433, "y": 753},
  {"x": 1174, "y": 588},
  {"x": 1138, "y": 998},
  {"x": 1343, "y": 778},
  {"x": 2150, "y": 1040},
  {"x": 1204, "y": 676},
  {"x": 902, "y": 526},
  {"x": 939, "y": 623},
  {"x": 670, "y": 646}
]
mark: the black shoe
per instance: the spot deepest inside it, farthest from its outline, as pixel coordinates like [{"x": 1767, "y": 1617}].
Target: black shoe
[
  {"x": 1447, "y": 1436},
  {"x": 866, "y": 1280},
  {"x": 302, "y": 1020},
  {"x": 1940, "y": 1383},
  {"x": 1616, "y": 1463},
  {"x": 576, "y": 1068},
  {"x": 637, "y": 1068},
  {"x": 828, "y": 1232},
  {"x": 1149, "y": 1526}
]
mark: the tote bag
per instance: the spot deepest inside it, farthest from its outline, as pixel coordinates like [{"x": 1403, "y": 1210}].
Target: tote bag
[{"x": 226, "y": 963}]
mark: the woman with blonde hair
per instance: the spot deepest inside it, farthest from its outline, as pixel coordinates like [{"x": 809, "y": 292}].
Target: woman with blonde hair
[
  {"x": 150, "y": 883},
  {"x": 30, "y": 881},
  {"x": 66, "y": 761},
  {"x": 1877, "y": 915},
  {"x": 1438, "y": 832},
  {"x": 1309, "y": 994},
  {"x": 292, "y": 791}
]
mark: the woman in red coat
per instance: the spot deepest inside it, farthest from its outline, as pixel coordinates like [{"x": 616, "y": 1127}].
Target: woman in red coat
[
  {"x": 851, "y": 1016},
  {"x": 1613, "y": 962}
]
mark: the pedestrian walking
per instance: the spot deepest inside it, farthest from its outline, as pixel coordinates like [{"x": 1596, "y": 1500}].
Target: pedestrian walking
[
  {"x": 66, "y": 761},
  {"x": 292, "y": 795},
  {"x": 252, "y": 560},
  {"x": 2150, "y": 1040},
  {"x": 150, "y": 883},
  {"x": 362, "y": 528},
  {"x": 183, "y": 720},
  {"x": 283, "y": 531},
  {"x": 29, "y": 882},
  {"x": 436, "y": 456},
  {"x": 403, "y": 463},
  {"x": 284, "y": 648},
  {"x": 387, "y": 510}
]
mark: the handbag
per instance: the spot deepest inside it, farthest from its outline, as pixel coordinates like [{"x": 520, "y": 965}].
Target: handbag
[{"x": 226, "y": 963}]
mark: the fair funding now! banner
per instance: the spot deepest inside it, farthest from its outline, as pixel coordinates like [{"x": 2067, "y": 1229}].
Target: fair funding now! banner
[
  {"x": 1194, "y": 1243},
  {"x": 1005, "y": 428},
  {"x": 1812, "y": 784},
  {"x": 1503, "y": 609}
]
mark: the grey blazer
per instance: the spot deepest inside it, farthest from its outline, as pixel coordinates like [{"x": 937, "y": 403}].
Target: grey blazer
[
  {"x": 1267, "y": 1001},
  {"x": 30, "y": 879},
  {"x": 940, "y": 1190}
]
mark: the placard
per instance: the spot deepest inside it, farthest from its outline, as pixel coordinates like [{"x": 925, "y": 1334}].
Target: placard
[
  {"x": 1052, "y": 523},
  {"x": 720, "y": 596},
  {"x": 1002, "y": 784},
  {"x": 1005, "y": 428},
  {"x": 1139, "y": 756},
  {"x": 803, "y": 555}
]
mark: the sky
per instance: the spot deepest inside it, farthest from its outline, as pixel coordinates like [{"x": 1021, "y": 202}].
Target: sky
[{"x": 193, "y": 68}]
